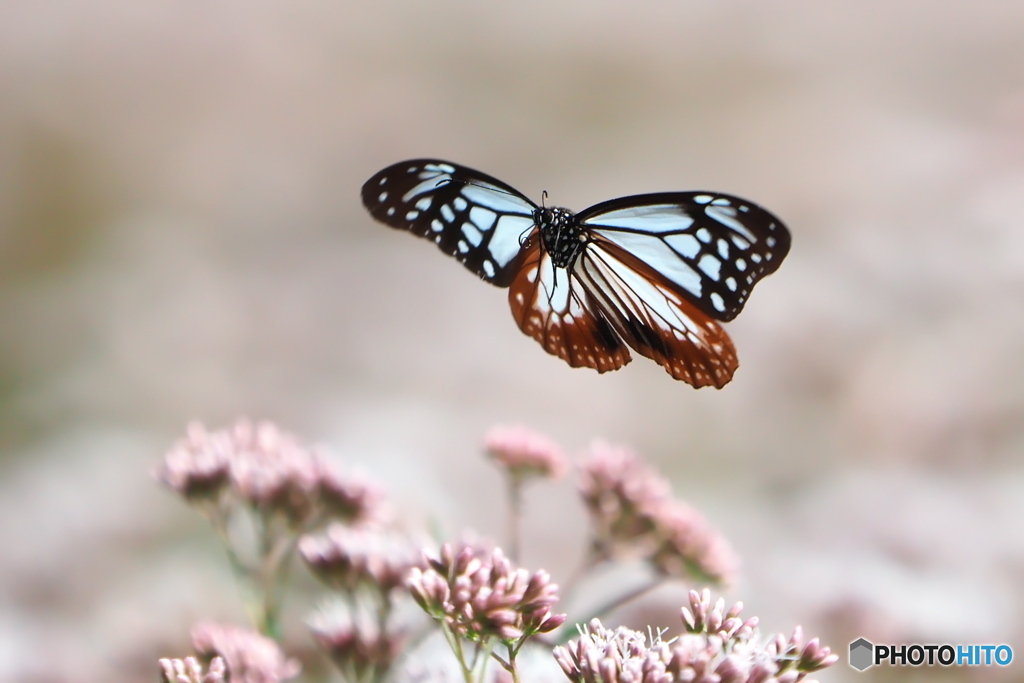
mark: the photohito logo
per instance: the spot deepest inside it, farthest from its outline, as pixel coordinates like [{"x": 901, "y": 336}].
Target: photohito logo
[{"x": 864, "y": 654}]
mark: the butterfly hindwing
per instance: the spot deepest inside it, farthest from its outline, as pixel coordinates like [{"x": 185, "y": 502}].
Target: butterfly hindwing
[
  {"x": 710, "y": 247},
  {"x": 550, "y": 307},
  {"x": 469, "y": 215},
  {"x": 654, "y": 319}
]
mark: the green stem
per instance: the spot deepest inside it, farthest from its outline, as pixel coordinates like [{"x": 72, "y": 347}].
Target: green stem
[
  {"x": 515, "y": 516},
  {"x": 268, "y": 607},
  {"x": 276, "y": 568},
  {"x": 509, "y": 665},
  {"x": 247, "y": 576},
  {"x": 380, "y": 668},
  {"x": 480, "y": 662},
  {"x": 456, "y": 643},
  {"x": 512, "y": 652}
]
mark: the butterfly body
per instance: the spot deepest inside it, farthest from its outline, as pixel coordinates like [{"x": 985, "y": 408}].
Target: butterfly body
[
  {"x": 649, "y": 272},
  {"x": 560, "y": 233}
]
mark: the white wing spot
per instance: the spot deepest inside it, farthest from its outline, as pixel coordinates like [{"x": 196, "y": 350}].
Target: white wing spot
[
  {"x": 717, "y": 300},
  {"x": 460, "y": 204},
  {"x": 710, "y": 265},
  {"x": 703, "y": 198},
  {"x": 428, "y": 185},
  {"x": 470, "y": 232},
  {"x": 685, "y": 245},
  {"x": 730, "y": 282},
  {"x": 412, "y": 215},
  {"x": 504, "y": 243},
  {"x": 424, "y": 203},
  {"x": 771, "y": 241},
  {"x": 383, "y": 180},
  {"x": 463, "y": 247},
  {"x": 447, "y": 214},
  {"x": 498, "y": 200},
  {"x": 704, "y": 236},
  {"x": 484, "y": 218},
  {"x": 741, "y": 265},
  {"x": 756, "y": 258},
  {"x": 444, "y": 168},
  {"x": 723, "y": 248},
  {"x": 382, "y": 197},
  {"x": 726, "y": 215},
  {"x": 489, "y": 269},
  {"x": 436, "y": 225},
  {"x": 658, "y": 254},
  {"x": 722, "y": 201},
  {"x": 740, "y": 242},
  {"x": 391, "y": 211}
]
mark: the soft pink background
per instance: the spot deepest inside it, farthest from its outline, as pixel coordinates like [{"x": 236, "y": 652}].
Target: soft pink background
[{"x": 181, "y": 237}]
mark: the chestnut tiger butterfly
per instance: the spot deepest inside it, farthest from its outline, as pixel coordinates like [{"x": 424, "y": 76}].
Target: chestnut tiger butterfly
[{"x": 651, "y": 272}]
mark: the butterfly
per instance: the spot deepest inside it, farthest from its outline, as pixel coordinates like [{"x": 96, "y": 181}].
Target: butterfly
[{"x": 651, "y": 272}]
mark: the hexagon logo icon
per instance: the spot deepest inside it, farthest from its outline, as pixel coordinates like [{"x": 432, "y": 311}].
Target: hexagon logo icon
[{"x": 861, "y": 654}]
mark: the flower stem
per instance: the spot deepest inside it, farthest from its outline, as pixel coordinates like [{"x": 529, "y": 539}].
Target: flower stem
[
  {"x": 515, "y": 516},
  {"x": 512, "y": 668},
  {"x": 456, "y": 644}
]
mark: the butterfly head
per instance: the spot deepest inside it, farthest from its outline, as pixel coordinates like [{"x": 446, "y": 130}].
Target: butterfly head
[{"x": 560, "y": 233}]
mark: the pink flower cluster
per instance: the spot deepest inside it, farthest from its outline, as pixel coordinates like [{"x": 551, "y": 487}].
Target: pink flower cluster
[
  {"x": 360, "y": 651},
  {"x": 349, "y": 559},
  {"x": 266, "y": 467},
  {"x": 718, "y": 647},
  {"x": 250, "y": 657},
  {"x": 525, "y": 453},
  {"x": 479, "y": 594},
  {"x": 633, "y": 512},
  {"x": 189, "y": 670}
]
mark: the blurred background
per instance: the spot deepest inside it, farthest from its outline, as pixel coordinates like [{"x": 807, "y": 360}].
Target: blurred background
[{"x": 181, "y": 238}]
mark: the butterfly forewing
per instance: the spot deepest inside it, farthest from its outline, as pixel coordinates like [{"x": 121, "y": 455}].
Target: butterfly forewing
[
  {"x": 478, "y": 219},
  {"x": 712, "y": 248}
]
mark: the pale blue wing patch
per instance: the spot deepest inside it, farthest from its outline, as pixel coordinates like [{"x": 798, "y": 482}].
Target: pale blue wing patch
[{"x": 661, "y": 253}]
